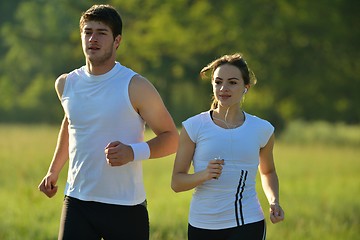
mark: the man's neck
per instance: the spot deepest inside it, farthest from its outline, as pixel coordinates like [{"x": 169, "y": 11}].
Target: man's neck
[{"x": 99, "y": 69}]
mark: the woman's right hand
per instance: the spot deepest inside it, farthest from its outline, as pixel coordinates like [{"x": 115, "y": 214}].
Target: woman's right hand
[{"x": 214, "y": 168}]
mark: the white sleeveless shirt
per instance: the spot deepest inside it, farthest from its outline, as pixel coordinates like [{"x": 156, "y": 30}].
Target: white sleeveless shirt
[
  {"x": 231, "y": 200},
  {"x": 99, "y": 112}
]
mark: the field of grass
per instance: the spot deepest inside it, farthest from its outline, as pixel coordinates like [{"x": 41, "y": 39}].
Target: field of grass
[{"x": 319, "y": 187}]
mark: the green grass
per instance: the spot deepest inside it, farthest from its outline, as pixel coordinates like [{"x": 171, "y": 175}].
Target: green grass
[{"x": 319, "y": 187}]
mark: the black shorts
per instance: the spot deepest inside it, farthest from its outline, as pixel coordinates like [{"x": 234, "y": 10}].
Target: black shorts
[
  {"x": 93, "y": 220},
  {"x": 251, "y": 231}
]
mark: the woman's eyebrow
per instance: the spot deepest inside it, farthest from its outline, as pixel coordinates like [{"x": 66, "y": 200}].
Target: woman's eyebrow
[{"x": 232, "y": 78}]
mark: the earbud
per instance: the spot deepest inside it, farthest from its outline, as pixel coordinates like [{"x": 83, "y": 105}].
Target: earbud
[{"x": 245, "y": 90}]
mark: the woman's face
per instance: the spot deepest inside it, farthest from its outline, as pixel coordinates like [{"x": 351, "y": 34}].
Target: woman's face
[{"x": 228, "y": 85}]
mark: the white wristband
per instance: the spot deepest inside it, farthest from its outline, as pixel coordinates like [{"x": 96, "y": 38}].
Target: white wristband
[{"x": 141, "y": 151}]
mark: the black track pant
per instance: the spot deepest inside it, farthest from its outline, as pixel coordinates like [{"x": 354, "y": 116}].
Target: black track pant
[
  {"x": 251, "y": 231},
  {"x": 85, "y": 220}
]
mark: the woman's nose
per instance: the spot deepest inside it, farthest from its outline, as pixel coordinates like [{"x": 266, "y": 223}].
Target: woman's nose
[{"x": 223, "y": 87}]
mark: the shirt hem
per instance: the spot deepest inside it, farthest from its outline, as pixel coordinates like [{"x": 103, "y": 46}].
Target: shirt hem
[
  {"x": 108, "y": 201},
  {"x": 224, "y": 226}
]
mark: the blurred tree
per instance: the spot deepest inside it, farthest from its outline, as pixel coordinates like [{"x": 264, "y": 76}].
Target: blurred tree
[
  {"x": 41, "y": 43},
  {"x": 303, "y": 53},
  {"x": 299, "y": 50}
]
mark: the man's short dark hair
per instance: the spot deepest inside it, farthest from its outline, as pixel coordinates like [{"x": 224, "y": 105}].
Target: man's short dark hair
[{"x": 105, "y": 14}]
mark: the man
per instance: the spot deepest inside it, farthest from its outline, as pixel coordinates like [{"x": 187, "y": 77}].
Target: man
[{"x": 106, "y": 107}]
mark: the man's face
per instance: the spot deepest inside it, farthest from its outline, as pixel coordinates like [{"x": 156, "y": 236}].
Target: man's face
[{"x": 98, "y": 42}]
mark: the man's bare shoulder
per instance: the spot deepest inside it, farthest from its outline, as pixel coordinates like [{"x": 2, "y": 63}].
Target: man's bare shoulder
[
  {"x": 141, "y": 86},
  {"x": 143, "y": 93},
  {"x": 60, "y": 83},
  {"x": 137, "y": 79}
]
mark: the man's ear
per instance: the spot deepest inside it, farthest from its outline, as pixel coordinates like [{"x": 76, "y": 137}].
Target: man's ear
[{"x": 117, "y": 41}]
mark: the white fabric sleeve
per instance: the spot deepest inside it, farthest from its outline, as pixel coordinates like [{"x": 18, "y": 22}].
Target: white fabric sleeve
[
  {"x": 268, "y": 130},
  {"x": 192, "y": 126}
]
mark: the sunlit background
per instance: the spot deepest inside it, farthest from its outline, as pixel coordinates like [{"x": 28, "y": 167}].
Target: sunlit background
[{"x": 305, "y": 55}]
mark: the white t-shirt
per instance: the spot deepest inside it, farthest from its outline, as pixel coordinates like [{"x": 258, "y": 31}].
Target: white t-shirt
[
  {"x": 231, "y": 200},
  {"x": 99, "y": 112}
]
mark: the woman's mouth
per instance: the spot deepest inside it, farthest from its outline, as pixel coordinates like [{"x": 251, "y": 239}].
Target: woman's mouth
[{"x": 224, "y": 96}]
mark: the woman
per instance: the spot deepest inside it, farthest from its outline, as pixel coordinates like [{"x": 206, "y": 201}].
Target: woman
[{"x": 227, "y": 146}]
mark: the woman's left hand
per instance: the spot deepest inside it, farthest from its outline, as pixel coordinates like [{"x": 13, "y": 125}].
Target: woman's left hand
[{"x": 276, "y": 213}]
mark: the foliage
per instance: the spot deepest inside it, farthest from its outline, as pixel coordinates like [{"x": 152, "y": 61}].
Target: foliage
[
  {"x": 303, "y": 53},
  {"x": 305, "y": 133}
]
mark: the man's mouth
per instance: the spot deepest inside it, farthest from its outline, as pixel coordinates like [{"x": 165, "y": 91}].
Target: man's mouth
[{"x": 93, "y": 48}]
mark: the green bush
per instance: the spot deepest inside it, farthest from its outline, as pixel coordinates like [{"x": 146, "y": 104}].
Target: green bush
[{"x": 320, "y": 132}]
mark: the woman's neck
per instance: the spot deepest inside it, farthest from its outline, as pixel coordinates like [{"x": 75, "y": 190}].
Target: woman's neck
[{"x": 230, "y": 117}]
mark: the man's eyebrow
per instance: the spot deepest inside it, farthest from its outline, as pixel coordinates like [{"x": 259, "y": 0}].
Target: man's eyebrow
[{"x": 96, "y": 29}]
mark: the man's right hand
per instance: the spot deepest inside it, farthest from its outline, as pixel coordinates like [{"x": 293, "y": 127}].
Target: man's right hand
[{"x": 48, "y": 185}]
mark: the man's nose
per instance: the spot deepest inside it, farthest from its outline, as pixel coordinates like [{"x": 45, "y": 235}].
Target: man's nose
[{"x": 93, "y": 37}]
